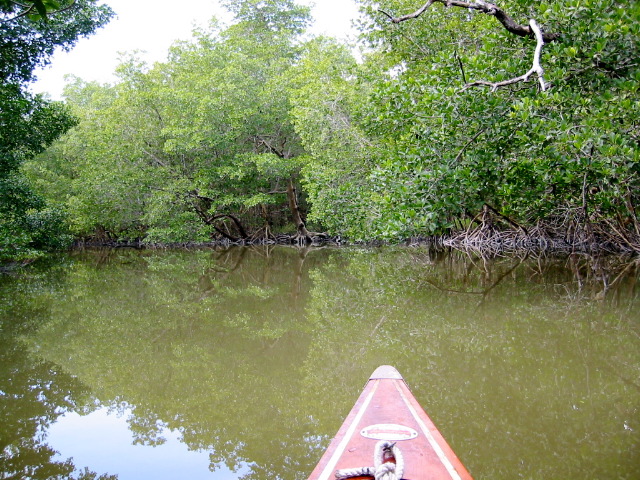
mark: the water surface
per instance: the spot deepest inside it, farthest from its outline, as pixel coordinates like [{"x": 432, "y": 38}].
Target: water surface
[{"x": 242, "y": 363}]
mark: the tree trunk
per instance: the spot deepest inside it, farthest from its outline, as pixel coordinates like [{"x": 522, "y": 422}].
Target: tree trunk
[{"x": 295, "y": 210}]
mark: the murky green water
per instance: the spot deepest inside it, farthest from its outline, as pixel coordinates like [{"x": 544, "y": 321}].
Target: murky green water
[{"x": 242, "y": 363}]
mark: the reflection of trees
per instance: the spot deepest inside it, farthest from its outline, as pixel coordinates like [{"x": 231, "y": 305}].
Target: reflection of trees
[
  {"x": 33, "y": 394},
  {"x": 582, "y": 276},
  {"x": 509, "y": 368},
  {"x": 256, "y": 355},
  {"x": 202, "y": 342}
]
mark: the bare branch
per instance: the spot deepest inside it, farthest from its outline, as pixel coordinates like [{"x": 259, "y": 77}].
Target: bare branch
[
  {"x": 464, "y": 77},
  {"x": 410, "y": 16},
  {"x": 536, "y": 67},
  {"x": 484, "y": 7},
  {"x": 27, "y": 11},
  {"x": 266, "y": 142},
  {"x": 235, "y": 220},
  {"x": 473, "y": 139}
]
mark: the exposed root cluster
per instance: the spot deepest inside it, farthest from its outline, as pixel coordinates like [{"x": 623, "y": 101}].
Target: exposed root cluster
[{"x": 493, "y": 233}]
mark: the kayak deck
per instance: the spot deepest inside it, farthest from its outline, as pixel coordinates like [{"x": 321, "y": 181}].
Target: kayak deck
[{"x": 387, "y": 410}]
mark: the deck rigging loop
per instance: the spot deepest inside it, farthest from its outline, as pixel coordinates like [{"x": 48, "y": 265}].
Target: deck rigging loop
[{"x": 383, "y": 468}]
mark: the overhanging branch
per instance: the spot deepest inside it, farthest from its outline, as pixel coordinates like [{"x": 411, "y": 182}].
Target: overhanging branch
[
  {"x": 535, "y": 68},
  {"x": 484, "y": 7},
  {"x": 410, "y": 16}
]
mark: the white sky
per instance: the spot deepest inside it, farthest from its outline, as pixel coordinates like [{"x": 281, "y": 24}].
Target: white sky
[{"x": 153, "y": 30}]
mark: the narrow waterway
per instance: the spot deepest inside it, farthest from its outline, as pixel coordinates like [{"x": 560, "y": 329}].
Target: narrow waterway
[{"x": 241, "y": 363}]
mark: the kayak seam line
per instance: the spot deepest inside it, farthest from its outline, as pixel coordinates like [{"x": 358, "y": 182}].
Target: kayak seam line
[
  {"x": 333, "y": 461},
  {"x": 434, "y": 443}
]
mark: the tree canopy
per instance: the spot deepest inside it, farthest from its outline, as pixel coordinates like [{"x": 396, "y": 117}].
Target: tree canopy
[
  {"x": 29, "y": 34},
  {"x": 210, "y": 145},
  {"x": 568, "y": 152},
  {"x": 456, "y": 115}
]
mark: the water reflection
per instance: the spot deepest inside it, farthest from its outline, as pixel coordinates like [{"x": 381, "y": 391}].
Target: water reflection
[
  {"x": 33, "y": 392},
  {"x": 254, "y": 356},
  {"x": 103, "y": 439}
]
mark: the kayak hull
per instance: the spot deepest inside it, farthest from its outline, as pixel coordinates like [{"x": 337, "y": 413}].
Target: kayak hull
[{"x": 387, "y": 410}]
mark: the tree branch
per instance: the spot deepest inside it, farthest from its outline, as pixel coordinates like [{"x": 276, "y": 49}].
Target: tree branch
[
  {"x": 536, "y": 67},
  {"x": 410, "y": 16},
  {"x": 464, "y": 77},
  {"x": 265, "y": 142},
  {"x": 473, "y": 139},
  {"x": 30, "y": 8},
  {"x": 235, "y": 220},
  {"x": 510, "y": 221},
  {"x": 484, "y": 7},
  {"x": 27, "y": 10}
]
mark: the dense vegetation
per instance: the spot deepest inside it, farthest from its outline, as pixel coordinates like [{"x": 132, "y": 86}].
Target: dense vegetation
[
  {"x": 253, "y": 129},
  {"x": 568, "y": 154},
  {"x": 29, "y": 33}
]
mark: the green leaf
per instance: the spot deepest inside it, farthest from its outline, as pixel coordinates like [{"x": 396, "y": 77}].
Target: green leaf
[{"x": 41, "y": 8}]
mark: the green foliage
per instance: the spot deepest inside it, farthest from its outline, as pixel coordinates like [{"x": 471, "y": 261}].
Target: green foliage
[
  {"x": 27, "y": 126},
  {"x": 34, "y": 9},
  {"x": 27, "y": 225},
  {"x": 28, "y": 123},
  {"x": 264, "y": 17},
  {"x": 530, "y": 154},
  {"x": 27, "y": 43},
  {"x": 170, "y": 150},
  {"x": 402, "y": 143},
  {"x": 327, "y": 110}
]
